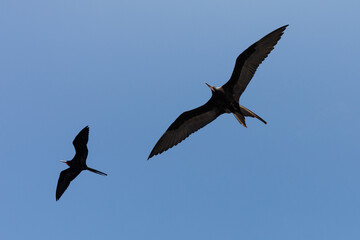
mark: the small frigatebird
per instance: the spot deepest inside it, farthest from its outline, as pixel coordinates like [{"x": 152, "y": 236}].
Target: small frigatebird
[
  {"x": 224, "y": 99},
  {"x": 77, "y": 164}
]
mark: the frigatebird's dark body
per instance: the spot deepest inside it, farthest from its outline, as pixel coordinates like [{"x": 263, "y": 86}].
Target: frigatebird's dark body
[
  {"x": 224, "y": 99},
  {"x": 77, "y": 164}
]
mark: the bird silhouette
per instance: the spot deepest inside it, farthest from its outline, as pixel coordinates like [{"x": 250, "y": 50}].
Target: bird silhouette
[
  {"x": 77, "y": 164},
  {"x": 224, "y": 99}
]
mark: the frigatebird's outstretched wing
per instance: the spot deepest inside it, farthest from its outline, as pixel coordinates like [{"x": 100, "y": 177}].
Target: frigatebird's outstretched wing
[
  {"x": 186, "y": 124},
  {"x": 79, "y": 143},
  {"x": 65, "y": 178},
  {"x": 249, "y": 60}
]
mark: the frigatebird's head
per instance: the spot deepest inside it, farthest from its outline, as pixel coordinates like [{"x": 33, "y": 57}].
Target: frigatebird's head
[
  {"x": 64, "y": 162},
  {"x": 211, "y": 87}
]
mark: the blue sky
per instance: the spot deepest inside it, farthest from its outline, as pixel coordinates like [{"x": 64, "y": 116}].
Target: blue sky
[{"x": 128, "y": 69}]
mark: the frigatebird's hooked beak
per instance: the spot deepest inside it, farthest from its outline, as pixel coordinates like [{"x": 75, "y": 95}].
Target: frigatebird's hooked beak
[
  {"x": 64, "y": 162},
  {"x": 211, "y": 87}
]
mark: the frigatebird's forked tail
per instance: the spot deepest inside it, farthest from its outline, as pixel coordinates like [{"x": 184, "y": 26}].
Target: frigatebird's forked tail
[
  {"x": 248, "y": 113},
  {"x": 96, "y": 171},
  {"x": 240, "y": 117},
  {"x": 244, "y": 112}
]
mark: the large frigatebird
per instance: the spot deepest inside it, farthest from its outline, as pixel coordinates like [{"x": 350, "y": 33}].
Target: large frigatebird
[
  {"x": 224, "y": 99},
  {"x": 77, "y": 164}
]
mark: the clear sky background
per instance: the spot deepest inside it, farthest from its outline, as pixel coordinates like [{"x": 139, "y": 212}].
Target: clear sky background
[{"x": 128, "y": 69}]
